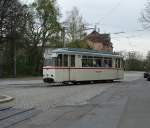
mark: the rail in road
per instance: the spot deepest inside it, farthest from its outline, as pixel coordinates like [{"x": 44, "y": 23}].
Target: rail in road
[{"x": 10, "y": 116}]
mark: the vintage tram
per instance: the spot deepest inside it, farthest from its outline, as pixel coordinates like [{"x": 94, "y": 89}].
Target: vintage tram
[{"x": 77, "y": 65}]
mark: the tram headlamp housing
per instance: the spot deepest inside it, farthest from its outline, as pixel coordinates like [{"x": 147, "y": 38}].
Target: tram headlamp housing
[{"x": 54, "y": 55}]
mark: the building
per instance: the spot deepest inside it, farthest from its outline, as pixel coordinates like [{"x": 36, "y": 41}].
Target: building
[{"x": 99, "y": 42}]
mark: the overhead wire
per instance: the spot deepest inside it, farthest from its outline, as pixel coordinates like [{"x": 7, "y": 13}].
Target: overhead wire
[
  {"x": 131, "y": 35},
  {"x": 111, "y": 11},
  {"x": 108, "y": 13}
]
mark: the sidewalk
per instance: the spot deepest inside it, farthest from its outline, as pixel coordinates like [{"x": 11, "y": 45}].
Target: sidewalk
[{"x": 16, "y": 81}]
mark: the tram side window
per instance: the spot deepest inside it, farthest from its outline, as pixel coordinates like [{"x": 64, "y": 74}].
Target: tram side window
[
  {"x": 110, "y": 62},
  {"x": 122, "y": 63},
  {"x": 65, "y": 60},
  {"x": 118, "y": 63},
  {"x": 107, "y": 62},
  {"x": 72, "y": 64},
  {"x": 90, "y": 61},
  {"x": 84, "y": 61},
  {"x": 59, "y": 60},
  {"x": 97, "y": 62}
]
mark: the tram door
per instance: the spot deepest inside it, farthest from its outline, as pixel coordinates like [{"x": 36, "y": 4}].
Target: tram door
[
  {"x": 118, "y": 67},
  {"x": 65, "y": 75},
  {"x": 71, "y": 70}
]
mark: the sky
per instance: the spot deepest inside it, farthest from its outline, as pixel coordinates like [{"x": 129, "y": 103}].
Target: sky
[{"x": 112, "y": 16}]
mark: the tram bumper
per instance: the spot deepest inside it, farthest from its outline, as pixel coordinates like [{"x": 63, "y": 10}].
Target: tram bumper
[{"x": 48, "y": 80}]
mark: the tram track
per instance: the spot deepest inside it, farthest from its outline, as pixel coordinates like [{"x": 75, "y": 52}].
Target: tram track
[{"x": 10, "y": 116}]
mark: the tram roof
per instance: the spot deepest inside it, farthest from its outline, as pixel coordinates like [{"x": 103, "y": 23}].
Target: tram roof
[{"x": 85, "y": 52}]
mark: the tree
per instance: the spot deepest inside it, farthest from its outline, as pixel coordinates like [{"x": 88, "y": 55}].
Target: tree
[
  {"x": 134, "y": 62},
  {"x": 47, "y": 15},
  {"x": 79, "y": 44},
  {"x": 45, "y": 25},
  {"x": 145, "y": 16},
  {"x": 11, "y": 30},
  {"x": 147, "y": 66},
  {"x": 74, "y": 26},
  {"x": 25, "y": 31}
]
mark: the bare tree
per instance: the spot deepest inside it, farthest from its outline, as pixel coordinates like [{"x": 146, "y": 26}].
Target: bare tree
[
  {"x": 134, "y": 61},
  {"x": 145, "y": 16},
  {"x": 148, "y": 61},
  {"x": 75, "y": 25}
]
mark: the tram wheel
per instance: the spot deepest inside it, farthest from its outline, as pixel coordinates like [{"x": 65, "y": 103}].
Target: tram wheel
[{"x": 74, "y": 82}]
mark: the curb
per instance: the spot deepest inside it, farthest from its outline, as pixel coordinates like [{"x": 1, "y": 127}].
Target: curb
[{"x": 6, "y": 99}]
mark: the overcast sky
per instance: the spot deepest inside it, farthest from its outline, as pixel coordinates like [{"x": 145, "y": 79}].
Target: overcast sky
[{"x": 113, "y": 16}]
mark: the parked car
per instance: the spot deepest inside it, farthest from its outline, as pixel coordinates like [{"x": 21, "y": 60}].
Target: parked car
[
  {"x": 146, "y": 74},
  {"x": 148, "y": 77}
]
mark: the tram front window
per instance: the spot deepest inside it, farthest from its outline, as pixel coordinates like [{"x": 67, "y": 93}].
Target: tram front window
[
  {"x": 53, "y": 61},
  {"x": 48, "y": 62}
]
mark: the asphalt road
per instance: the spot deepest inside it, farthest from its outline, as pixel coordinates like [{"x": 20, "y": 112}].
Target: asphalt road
[{"x": 122, "y": 104}]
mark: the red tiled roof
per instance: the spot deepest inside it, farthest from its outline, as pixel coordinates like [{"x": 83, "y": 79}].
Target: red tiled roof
[{"x": 97, "y": 37}]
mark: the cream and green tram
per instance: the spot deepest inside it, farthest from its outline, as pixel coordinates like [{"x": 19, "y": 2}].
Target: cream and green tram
[{"x": 74, "y": 65}]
